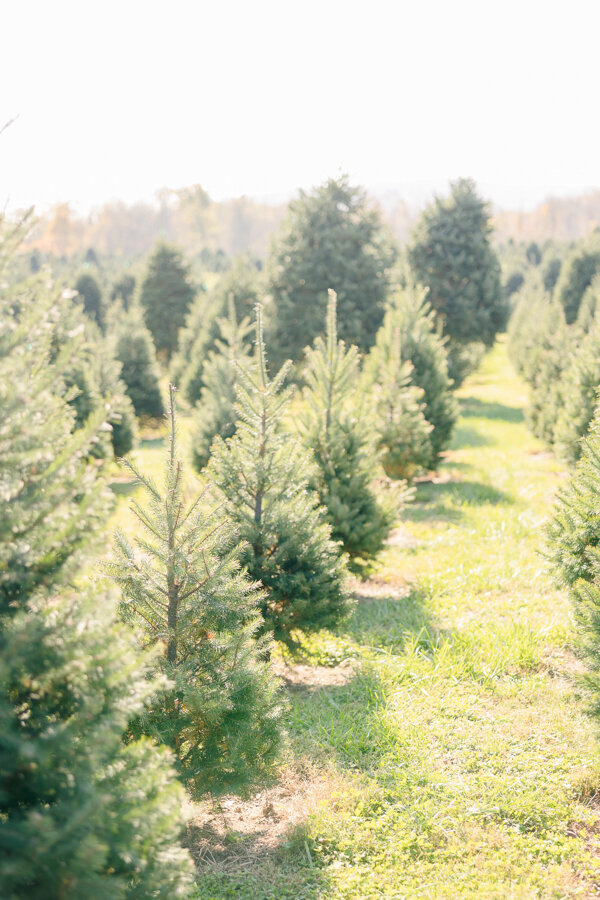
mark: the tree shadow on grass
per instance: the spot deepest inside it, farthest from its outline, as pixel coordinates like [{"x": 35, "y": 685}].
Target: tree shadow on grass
[
  {"x": 472, "y": 407},
  {"x": 444, "y": 502},
  {"x": 465, "y": 436}
]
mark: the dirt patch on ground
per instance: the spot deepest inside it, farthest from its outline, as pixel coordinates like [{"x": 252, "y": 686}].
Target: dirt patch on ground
[
  {"x": 401, "y": 537},
  {"x": 236, "y": 835},
  {"x": 380, "y": 588},
  {"x": 301, "y": 675}
]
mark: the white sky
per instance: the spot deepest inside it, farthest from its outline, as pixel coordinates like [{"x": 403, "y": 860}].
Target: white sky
[{"x": 261, "y": 97}]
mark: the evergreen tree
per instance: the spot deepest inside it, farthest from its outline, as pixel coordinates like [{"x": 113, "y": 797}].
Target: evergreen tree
[
  {"x": 181, "y": 581},
  {"x": 166, "y": 295},
  {"x": 545, "y": 368},
  {"x": 216, "y": 413},
  {"x": 81, "y": 814},
  {"x": 551, "y": 271},
  {"x": 451, "y": 253},
  {"x": 261, "y": 474},
  {"x": 580, "y": 381},
  {"x": 410, "y": 321},
  {"x": 335, "y": 430},
  {"x": 332, "y": 239},
  {"x": 240, "y": 284},
  {"x": 576, "y": 276},
  {"x": 123, "y": 289},
  {"x": 139, "y": 369},
  {"x": 590, "y": 303},
  {"x": 93, "y": 304}
]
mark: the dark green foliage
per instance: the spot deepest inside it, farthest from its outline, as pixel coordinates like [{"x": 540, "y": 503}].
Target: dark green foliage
[
  {"x": 241, "y": 284},
  {"x": 411, "y": 321},
  {"x": 335, "y": 429},
  {"x": 123, "y": 289},
  {"x": 182, "y": 583},
  {"x": 513, "y": 283},
  {"x": 589, "y": 306},
  {"x": 580, "y": 381},
  {"x": 81, "y": 815},
  {"x": 139, "y": 369},
  {"x": 533, "y": 254},
  {"x": 167, "y": 294},
  {"x": 216, "y": 413},
  {"x": 35, "y": 261},
  {"x": 550, "y": 272},
  {"x": 451, "y": 253},
  {"x": 93, "y": 305},
  {"x": 576, "y": 276},
  {"x": 332, "y": 239},
  {"x": 90, "y": 256},
  {"x": 261, "y": 474}
]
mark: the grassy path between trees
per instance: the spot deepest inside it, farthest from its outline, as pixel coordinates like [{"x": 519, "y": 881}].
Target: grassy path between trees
[{"x": 437, "y": 743}]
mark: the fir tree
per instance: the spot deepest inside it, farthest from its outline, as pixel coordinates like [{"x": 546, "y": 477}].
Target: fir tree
[
  {"x": 166, "y": 295},
  {"x": 451, "y": 253},
  {"x": 545, "y": 369},
  {"x": 183, "y": 584},
  {"x": 93, "y": 304},
  {"x": 261, "y": 474},
  {"x": 81, "y": 814},
  {"x": 410, "y": 319},
  {"x": 336, "y": 431},
  {"x": 331, "y": 239},
  {"x": 216, "y": 413},
  {"x": 139, "y": 369},
  {"x": 576, "y": 275}
]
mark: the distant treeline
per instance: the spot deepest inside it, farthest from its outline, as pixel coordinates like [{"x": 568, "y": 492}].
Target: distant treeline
[{"x": 195, "y": 222}]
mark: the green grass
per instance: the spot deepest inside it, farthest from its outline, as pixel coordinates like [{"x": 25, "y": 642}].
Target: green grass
[{"x": 462, "y": 762}]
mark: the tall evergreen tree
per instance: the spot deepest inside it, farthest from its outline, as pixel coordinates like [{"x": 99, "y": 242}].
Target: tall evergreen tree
[
  {"x": 451, "y": 253},
  {"x": 91, "y": 295},
  {"x": 81, "y": 814},
  {"x": 215, "y": 413},
  {"x": 580, "y": 381},
  {"x": 166, "y": 295},
  {"x": 182, "y": 583},
  {"x": 332, "y": 239},
  {"x": 140, "y": 374},
  {"x": 261, "y": 474},
  {"x": 336, "y": 431},
  {"x": 410, "y": 321}
]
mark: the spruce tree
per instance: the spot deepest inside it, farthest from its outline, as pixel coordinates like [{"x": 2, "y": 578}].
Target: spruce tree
[
  {"x": 261, "y": 474},
  {"x": 167, "y": 294},
  {"x": 451, "y": 253},
  {"x": 140, "y": 374},
  {"x": 331, "y": 239},
  {"x": 576, "y": 275},
  {"x": 81, "y": 814},
  {"x": 335, "y": 429},
  {"x": 215, "y": 413},
  {"x": 182, "y": 583},
  {"x": 545, "y": 369},
  {"x": 411, "y": 320}
]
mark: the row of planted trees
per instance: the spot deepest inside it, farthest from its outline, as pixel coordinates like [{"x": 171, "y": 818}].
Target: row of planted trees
[{"x": 554, "y": 341}]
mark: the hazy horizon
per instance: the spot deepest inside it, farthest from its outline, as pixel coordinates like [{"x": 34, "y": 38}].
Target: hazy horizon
[{"x": 115, "y": 102}]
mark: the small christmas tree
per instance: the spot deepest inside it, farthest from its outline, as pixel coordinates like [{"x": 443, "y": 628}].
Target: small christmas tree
[
  {"x": 580, "y": 381},
  {"x": 335, "y": 430},
  {"x": 166, "y": 295},
  {"x": 81, "y": 814},
  {"x": 139, "y": 369},
  {"x": 397, "y": 407},
  {"x": 410, "y": 317},
  {"x": 215, "y": 413},
  {"x": 90, "y": 293},
  {"x": 183, "y": 584},
  {"x": 286, "y": 543}
]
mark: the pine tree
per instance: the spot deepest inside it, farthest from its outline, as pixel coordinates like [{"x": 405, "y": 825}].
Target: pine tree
[
  {"x": 410, "y": 319},
  {"x": 545, "y": 369},
  {"x": 261, "y": 474},
  {"x": 182, "y": 582},
  {"x": 139, "y": 369},
  {"x": 216, "y": 413},
  {"x": 81, "y": 814},
  {"x": 335, "y": 430},
  {"x": 451, "y": 253},
  {"x": 167, "y": 294},
  {"x": 331, "y": 239}
]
